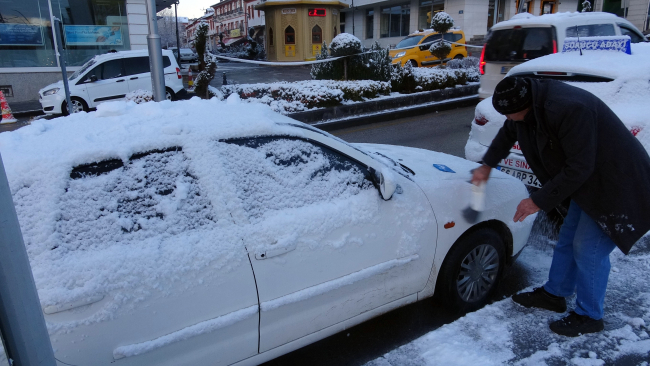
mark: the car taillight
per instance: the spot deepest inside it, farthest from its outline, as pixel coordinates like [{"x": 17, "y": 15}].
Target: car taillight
[
  {"x": 481, "y": 64},
  {"x": 178, "y": 73},
  {"x": 554, "y": 46},
  {"x": 635, "y": 130},
  {"x": 480, "y": 120}
]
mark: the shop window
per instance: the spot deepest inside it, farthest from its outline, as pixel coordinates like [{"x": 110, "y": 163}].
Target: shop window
[
  {"x": 548, "y": 7},
  {"x": 427, "y": 9},
  {"x": 395, "y": 21},
  {"x": 316, "y": 35},
  {"x": 270, "y": 36},
  {"x": 370, "y": 23},
  {"x": 289, "y": 35}
]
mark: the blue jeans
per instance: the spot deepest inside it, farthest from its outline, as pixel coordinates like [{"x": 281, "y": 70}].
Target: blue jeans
[{"x": 581, "y": 263}]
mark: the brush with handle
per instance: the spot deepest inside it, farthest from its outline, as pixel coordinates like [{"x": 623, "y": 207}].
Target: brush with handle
[{"x": 476, "y": 203}]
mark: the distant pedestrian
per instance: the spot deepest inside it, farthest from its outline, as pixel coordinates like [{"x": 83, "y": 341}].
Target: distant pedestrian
[{"x": 579, "y": 150}]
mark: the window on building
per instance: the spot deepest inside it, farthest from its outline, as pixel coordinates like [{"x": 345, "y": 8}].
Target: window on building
[
  {"x": 270, "y": 36},
  {"x": 395, "y": 21},
  {"x": 342, "y": 22},
  {"x": 548, "y": 7},
  {"x": 426, "y": 10},
  {"x": 316, "y": 35},
  {"x": 289, "y": 35},
  {"x": 370, "y": 23},
  {"x": 615, "y": 7}
]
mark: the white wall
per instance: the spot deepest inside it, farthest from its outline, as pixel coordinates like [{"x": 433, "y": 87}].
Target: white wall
[{"x": 136, "y": 12}]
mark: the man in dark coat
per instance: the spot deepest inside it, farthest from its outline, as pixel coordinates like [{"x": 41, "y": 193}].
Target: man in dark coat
[{"x": 580, "y": 150}]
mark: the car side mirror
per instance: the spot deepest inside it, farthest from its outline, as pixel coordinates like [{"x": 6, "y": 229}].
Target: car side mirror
[
  {"x": 387, "y": 183},
  {"x": 92, "y": 78}
]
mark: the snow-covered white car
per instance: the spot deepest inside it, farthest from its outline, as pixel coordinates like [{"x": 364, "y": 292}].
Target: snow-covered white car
[
  {"x": 109, "y": 77},
  {"x": 619, "y": 79},
  {"x": 191, "y": 233}
]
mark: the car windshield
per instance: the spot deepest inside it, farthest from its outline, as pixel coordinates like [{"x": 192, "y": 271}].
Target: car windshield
[
  {"x": 519, "y": 44},
  {"x": 409, "y": 41},
  {"x": 83, "y": 69}
]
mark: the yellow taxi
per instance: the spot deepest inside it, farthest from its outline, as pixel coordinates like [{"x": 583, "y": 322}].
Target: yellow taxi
[{"x": 415, "y": 48}]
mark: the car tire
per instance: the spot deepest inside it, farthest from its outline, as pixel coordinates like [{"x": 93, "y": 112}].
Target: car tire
[
  {"x": 413, "y": 63},
  {"x": 169, "y": 94},
  {"x": 459, "y": 57},
  {"x": 471, "y": 271},
  {"x": 78, "y": 105}
]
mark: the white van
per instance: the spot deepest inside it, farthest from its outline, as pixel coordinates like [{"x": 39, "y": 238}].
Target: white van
[
  {"x": 525, "y": 37},
  {"x": 110, "y": 77}
]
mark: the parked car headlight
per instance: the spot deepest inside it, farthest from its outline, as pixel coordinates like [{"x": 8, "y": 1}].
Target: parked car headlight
[
  {"x": 400, "y": 54},
  {"x": 50, "y": 91}
]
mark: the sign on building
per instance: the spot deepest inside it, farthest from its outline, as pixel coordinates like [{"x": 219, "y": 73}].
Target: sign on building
[
  {"x": 13, "y": 34},
  {"x": 289, "y": 11},
  {"x": 235, "y": 33},
  {"x": 92, "y": 35}
]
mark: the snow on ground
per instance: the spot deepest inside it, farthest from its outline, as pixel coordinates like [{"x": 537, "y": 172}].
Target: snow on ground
[{"x": 505, "y": 333}]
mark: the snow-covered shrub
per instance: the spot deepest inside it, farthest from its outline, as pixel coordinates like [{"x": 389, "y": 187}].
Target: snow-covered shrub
[
  {"x": 440, "y": 49},
  {"x": 286, "y": 97},
  {"x": 372, "y": 65},
  {"x": 140, "y": 96},
  {"x": 345, "y": 44},
  {"x": 204, "y": 77},
  {"x": 586, "y": 6},
  {"x": 469, "y": 65},
  {"x": 436, "y": 78},
  {"x": 199, "y": 42},
  {"x": 442, "y": 22},
  {"x": 402, "y": 79}
]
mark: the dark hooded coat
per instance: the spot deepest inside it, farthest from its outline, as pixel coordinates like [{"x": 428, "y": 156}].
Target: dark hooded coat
[{"x": 580, "y": 149}]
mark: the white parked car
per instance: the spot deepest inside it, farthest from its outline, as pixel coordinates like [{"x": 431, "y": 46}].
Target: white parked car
[
  {"x": 110, "y": 77},
  {"x": 619, "y": 79},
  {"x": 186, "y": 55},
  {"x": 526, "y": 37},
  {"x": 191, "y": 233}
]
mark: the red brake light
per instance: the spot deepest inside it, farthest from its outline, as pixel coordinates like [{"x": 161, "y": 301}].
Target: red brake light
[
  {"x": 480, "y": 120},
  {"x": 554, "y": 46},
  {"x": 178, "y": 73},
  {"x": 481, "y": 64},
  {"x": 635, "y": 130}
]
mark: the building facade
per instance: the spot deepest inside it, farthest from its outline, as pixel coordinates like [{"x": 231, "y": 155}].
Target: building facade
[
  {"x": 28, "y": 58},
  {"x": 296, "y": 29},
  {"x": 389, "y": 21},
  {"x": 230, "y": 21}
]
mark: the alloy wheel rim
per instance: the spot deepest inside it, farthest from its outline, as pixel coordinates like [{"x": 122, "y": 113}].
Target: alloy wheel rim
[
  {"x": 478, "y": 273},
  {"x": 76, "y": 106},
  {"x": 168, "y": 95}
]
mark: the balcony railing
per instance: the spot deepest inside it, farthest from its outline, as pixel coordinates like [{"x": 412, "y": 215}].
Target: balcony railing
[{"x": 229, "y": 14}]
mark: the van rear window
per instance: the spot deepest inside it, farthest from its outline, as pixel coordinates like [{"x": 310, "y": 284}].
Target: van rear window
[{"x": 519, "y": 44}]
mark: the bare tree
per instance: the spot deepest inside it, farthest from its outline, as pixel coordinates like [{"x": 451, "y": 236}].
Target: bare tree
[{"x": 167, "y": 28}]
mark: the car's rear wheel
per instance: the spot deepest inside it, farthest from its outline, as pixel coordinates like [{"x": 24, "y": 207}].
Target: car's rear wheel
[
  {"x": 413, "y": 63},
  {"x": 78, "y": 105},
  {"x": 471, "y": 271},
  {"x": 458, "y": 57}
]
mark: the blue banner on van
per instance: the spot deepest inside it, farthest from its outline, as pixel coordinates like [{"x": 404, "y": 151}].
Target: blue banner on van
[
  {"x": 12, "y": 34},
  {"x": 610, "y": 43},
  {"x": 93, "y": 35}
]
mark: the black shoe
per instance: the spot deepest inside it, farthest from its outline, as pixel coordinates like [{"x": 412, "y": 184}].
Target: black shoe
[
  {"x": 539, "y": 298},
  {"x": 574, "y": 325}
]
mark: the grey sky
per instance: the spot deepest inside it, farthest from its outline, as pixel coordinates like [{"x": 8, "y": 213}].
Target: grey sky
[{"x": 193, "y": 8}]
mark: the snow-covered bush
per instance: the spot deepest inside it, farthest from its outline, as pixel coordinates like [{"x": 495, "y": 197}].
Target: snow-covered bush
[
  {"x": 199, "y": 42},
  {"x": 409, "y": 79},
  {"x": 469, "y": 65},
  {"x": 402, "y": 79},
  {"x": 440, "y": 49},
  {"x": 586, "y": 6},
  {"x": 204, "y": 77},
  {"x": 140, "y": 96},
  {"x": 286, "y": 97},
  {"x": 372, "y": 65},
  {"x": 345, "y": 44},
  {"x": 442, "y": 22}
]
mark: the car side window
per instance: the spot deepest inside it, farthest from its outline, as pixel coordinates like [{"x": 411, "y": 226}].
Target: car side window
[
  {"x": 591, "y": 30},
  {"x": 153, "y": 194},
  {"x": 452, "y": 37},
  {"x": 634, "y": 36},
  {"x": 166, "y": 62},
  {"x": 432, "y": 38},
  {"x": 111, "y": 69},
  {"x": 136, "y": 65},
  {"x": 277, "y": 173}
]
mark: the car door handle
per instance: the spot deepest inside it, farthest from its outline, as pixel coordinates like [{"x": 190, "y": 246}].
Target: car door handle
[
  {"x": 133, "y": 78},
  {"x": 274, "y": 252},
  {"x": 119, "y": 81}
]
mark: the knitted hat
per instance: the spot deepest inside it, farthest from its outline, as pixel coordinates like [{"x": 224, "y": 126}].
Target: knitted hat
[{"x": 512, "y": 95}]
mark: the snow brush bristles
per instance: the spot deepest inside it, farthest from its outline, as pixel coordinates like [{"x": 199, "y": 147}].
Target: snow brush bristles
[{"x": 476, "y": 203}]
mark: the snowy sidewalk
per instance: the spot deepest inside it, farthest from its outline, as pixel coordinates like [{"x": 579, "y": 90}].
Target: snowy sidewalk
[{"x": 506, "y": 334}]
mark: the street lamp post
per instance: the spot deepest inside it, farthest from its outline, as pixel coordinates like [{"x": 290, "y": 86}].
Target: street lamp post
[{"x": 155, "y": 54}]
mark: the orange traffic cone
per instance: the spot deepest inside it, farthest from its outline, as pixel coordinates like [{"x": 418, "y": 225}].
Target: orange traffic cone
[
  {"x": 7, "y": 117},
  {"x": 190, "y": 82}
]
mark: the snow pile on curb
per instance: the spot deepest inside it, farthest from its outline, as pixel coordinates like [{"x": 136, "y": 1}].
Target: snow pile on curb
[
  {"x": 139, "y": 96},
  {"x": 287, "y": 97}
]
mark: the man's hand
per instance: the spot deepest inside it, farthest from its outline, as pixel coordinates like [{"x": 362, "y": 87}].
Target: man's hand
[
  {"x": 526, "y": 207},
  {"x": 481, "y": 174}
]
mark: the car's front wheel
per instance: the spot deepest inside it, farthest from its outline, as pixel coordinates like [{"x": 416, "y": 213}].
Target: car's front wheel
[
  {"x": 169, "y": 94},
  {"x": 471, "y": 271},
  {"x": 78, "y": 105}
]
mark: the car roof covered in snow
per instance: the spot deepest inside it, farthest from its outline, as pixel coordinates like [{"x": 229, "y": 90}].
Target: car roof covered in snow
[{"x": 564, "y": 19}]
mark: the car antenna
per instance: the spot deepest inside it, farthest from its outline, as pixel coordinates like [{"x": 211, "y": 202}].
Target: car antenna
[{"x": 578, "y": 34}]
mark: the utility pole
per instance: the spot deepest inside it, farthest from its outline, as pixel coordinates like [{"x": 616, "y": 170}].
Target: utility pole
[
  {"x": 353, "y": 18},
  {"x": 155, "y": 54},
  {"x": 178, "y": 41},
  {"x": 22, "y": 324}
]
